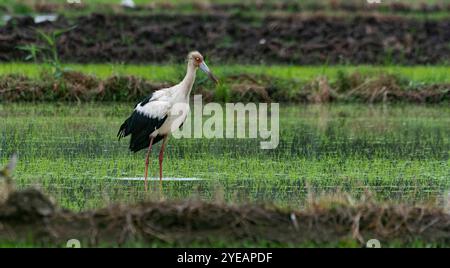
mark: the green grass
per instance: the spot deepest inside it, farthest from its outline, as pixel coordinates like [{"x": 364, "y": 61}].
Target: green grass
[
  {"x": 191, "y": 6},
  {"x": 197, "y": 1},
  {"x": 398, "y": 152},
  {"x": 174, "y": 72}
]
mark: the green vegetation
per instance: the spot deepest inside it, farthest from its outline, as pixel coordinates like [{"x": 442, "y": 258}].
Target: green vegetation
[
  {"x": 249, "y": 8},
  {"x": 178, "y": 2},
  {"x": 48, "y": 53},
  {"x": 284, "y": 84},
  {"x": 172, "y": 73},
  {"x": 398, "y": 152}
]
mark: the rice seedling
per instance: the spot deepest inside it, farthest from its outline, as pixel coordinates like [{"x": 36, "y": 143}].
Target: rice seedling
[{"x": 397, "y": 152}]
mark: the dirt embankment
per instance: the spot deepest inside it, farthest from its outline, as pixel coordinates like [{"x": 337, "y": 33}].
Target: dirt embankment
[
  {"x": 354, "y": 87},
  {"x": 292, "y": 39},
  {"x": 30, "y": 214}
]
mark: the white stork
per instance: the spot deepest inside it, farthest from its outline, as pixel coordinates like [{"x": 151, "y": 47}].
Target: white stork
[{"x": 155, "y": 117}]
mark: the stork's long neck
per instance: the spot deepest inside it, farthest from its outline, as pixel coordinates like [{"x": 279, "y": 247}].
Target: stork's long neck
[{"x": 188, "y": 80}]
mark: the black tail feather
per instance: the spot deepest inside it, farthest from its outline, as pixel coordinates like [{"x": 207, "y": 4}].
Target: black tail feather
[
  {"x": 141, "y": 140},
  {"x": 123, "y": 131}
]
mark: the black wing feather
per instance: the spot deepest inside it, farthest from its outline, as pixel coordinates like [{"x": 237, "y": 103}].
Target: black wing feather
[{"x": 140, "y": 126}]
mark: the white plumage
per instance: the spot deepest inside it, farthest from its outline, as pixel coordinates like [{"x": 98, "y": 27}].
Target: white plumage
[
  {"x": 158, "y": 115},
  {"x": 154, "y": 108}
]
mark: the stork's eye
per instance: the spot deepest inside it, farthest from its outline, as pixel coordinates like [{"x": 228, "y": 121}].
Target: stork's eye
[{"x": 197, "y": 59}]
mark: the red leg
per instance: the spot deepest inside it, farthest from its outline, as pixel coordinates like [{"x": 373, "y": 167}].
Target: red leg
[
  {"x": 146, "y": 163},
  {"x": 161, "y": 157}
]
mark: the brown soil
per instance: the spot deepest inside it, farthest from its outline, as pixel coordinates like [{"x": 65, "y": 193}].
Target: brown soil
[
  {"x": 29, "y": 212},
  {"x": 296, "y": 39},
  {"x": 75, "y": 86}
]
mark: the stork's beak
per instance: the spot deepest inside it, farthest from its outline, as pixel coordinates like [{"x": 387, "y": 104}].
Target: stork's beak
[{"x": 205, "y": 68}]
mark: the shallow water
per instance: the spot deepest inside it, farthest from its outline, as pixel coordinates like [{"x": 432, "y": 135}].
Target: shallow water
[
  {"x": 156, "y": 179},
  {"x": 397, "y": 152}
]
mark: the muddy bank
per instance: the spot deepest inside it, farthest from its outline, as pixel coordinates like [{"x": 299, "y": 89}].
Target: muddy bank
[
  {"x": 294, "y": 39},
  {"x": 353, "y": 87},
  {"x": 30, "y": 214}
]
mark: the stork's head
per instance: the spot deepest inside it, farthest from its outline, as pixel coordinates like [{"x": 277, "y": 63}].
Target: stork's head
[{"x": 196, "y": 59}]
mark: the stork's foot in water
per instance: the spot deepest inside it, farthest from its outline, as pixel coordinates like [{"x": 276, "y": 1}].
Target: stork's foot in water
[{"x": 146, "y": 164}]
